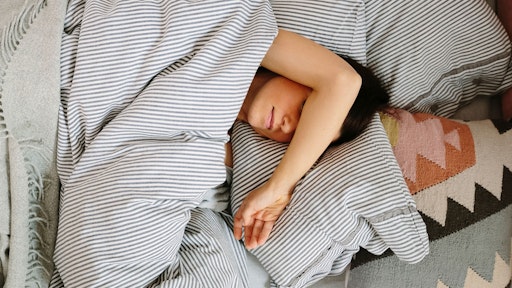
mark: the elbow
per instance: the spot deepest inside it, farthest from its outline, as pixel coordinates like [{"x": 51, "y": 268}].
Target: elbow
[
  {"x": 340, "y": 81},
  {"x": 355, "y": 79},
  {"x": 348, "y": 82}
]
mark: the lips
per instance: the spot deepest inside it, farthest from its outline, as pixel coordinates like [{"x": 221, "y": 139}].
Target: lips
[{"x": 270, "y": 119}]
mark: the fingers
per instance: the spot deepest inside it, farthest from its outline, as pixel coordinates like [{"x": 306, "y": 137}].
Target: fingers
[
  {"x": 243, "y": 219},
  {"x": 265, "y": 232},
  {"x": 252, "y": 234},
  {"x": 255, "y": 235},
  {"x": 259, "y": 233}
]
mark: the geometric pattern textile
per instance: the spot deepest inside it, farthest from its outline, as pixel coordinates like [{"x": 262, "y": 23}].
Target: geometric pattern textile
[
  {"x": 463, "y": 191},
  {"x": 429, "y": 149}
]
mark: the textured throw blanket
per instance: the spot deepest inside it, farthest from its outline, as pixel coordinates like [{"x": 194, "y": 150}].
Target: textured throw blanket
[
  {"x": 149, "y": 91},
  {"x": 30, "y": 37}
]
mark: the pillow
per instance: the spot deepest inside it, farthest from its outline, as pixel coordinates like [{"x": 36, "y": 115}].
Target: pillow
[
  {"x": 354, "y": 196},
  {"x": 460, "y": 175},
  {"x": 337, "y": 25},
  {"x": 436, "y": 56}
]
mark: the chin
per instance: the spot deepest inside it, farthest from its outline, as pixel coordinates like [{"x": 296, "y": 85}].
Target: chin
[{"x": 279, "y": 139}]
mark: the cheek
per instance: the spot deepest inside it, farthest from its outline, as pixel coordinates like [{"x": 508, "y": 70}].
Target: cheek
[{"x": 256, "y": 113}]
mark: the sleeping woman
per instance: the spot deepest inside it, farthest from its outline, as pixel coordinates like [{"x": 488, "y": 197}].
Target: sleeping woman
[
  {"x": 139, "y": 142},
  {"x": 273, "y": 107}
]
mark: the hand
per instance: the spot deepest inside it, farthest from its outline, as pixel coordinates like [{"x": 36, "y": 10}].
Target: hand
[{"x": 258, "y": 214}]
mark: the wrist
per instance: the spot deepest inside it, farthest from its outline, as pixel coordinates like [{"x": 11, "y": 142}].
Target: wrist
[{"x": 281, "y": 185}]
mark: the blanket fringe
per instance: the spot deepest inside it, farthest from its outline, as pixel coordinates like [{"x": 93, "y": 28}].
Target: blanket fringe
[
  {"x": 12, "y": 34},
  {"x": 38, "y": 258}
]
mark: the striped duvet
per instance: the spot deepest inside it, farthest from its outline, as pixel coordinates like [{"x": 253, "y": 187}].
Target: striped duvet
[{"x": 149, "y": 91}]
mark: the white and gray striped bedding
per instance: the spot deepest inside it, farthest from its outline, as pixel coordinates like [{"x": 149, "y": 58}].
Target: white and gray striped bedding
[
  {"x": 436, "y": 56},
  {"x": 432, "y": 56},
  {"x": 149, "y": 91},
  {"x": 337, "y": 25},
  {"x": 209, "y": 256},
  {"x": 131, "y": 142},
  {"x": 355, "y": 196}
]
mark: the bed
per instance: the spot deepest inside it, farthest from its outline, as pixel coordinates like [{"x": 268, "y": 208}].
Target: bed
[{"x": 437, "y": 172}]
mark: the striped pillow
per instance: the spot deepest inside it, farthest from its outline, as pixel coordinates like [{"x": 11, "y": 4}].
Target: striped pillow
[
  {"x": 354, "y": 196},
  {"x": 436, "y": 56},
  {"x": 337, "y": 25}
]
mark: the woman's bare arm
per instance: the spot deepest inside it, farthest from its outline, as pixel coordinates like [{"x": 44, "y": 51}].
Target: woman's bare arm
[{"x": 335, "y": 86}]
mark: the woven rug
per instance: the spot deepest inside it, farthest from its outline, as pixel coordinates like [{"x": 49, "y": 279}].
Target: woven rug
[{"x": 464, "y": 195}]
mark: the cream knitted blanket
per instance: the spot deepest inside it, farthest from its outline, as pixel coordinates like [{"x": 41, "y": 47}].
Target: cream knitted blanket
[{"x": 30, "y": 33}]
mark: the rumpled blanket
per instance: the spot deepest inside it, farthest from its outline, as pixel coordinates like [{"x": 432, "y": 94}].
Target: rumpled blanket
[
  {"x": 30, "y": 37},
  {"x": 148, "y": 93}
]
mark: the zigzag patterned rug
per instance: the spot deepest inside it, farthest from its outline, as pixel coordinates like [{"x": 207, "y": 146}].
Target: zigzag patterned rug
[{"x": 460, "y": 176}]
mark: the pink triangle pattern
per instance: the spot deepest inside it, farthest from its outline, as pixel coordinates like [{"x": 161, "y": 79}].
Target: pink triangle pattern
[{"x": 430, "y": 149}]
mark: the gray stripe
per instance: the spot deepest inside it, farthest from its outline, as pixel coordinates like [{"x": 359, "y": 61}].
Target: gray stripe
[
  {"x": 501, "y": 57},
  {"x": 337, "y": 25},
  {"x": 148, "y": 95},
  {"x": 435, "y": 56}
]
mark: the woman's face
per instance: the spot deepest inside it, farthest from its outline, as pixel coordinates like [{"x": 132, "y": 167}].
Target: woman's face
[{"x": 276, "y": 108}]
